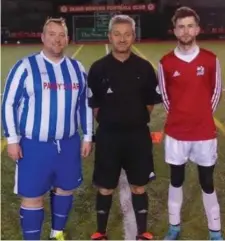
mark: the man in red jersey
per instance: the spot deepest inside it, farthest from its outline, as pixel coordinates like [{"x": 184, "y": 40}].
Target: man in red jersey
[{"x": 190, "y": 84}]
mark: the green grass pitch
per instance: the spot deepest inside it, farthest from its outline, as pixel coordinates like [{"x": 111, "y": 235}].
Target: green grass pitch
[{"x": 81, "y": 223}]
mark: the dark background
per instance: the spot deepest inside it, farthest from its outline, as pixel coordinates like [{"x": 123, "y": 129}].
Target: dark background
[{"x": 23, "y": 19}]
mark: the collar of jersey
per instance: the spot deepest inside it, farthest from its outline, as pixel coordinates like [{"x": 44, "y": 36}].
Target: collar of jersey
[
  {"x": 188, "y": 57},
  {"x": 50, "y": 61}
]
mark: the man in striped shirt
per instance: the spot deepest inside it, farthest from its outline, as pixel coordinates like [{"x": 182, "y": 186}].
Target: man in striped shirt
[
  {"x": 43, "y": 105},
  {"x": 190, "y": 83}
]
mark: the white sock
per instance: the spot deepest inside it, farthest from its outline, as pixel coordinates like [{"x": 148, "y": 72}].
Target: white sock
[
  {"x": 212, "y": 210},
  {"x": 54, "y": 233},
  {"x": 175, "y": 200}
]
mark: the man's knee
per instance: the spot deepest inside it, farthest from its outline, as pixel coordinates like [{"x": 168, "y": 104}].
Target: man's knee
[
  {"x": 177, "y": 175},
  {"x": 206, "y": 178},
  {"x": 137, "y": 189},
  {"x": 105, "y": 192},
  {"x": 62, "y": 192},
  {"x": 207, "y": 185},
  {"x": 36, "y": 202}
]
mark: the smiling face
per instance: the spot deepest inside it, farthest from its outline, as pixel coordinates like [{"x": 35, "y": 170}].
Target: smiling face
[
  {"x": 54, "y": 38},
  {"x": 186, "y": 30},
  {"x": 121, "y": 36}
]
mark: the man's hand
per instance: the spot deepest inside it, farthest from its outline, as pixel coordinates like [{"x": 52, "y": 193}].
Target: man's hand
[
  {"x": 86, "y": 148},
  {"x": 150, "y": 108},
  {"x": 14, "y": 151}
]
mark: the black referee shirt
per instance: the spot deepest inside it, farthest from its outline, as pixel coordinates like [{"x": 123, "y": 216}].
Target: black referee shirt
[{"x": 122, "y": 91}]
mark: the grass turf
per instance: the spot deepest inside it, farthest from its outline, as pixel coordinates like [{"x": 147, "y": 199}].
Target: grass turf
[{"x": 82, "y": 219}]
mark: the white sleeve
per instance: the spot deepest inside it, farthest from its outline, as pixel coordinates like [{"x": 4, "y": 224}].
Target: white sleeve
[
  {"x": 13, "y": 92},
  {"x": 86, "y": 116},
  {"x": 162, "y": 87},
  {"x": 217, "y": 87}
]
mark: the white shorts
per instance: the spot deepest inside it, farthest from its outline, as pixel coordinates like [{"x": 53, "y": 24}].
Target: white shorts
[{"x": 203, "y": 153}]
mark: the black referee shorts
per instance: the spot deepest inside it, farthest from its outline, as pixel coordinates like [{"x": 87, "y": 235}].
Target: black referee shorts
[{"x": 130, "y": 150}]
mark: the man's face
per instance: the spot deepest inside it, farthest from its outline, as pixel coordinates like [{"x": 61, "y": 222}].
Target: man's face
[
  {"x": 186, "y": 30},
  {"x": 121, "y": 37},
  {"x": 54, "y": 38}
]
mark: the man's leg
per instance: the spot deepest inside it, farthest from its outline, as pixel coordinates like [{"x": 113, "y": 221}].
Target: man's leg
[
  {"x": 106, "y": 174},
  {"x": 138, "y": 164},
  {"x": 103, "y": 206},
  {"x": 67, "y": 177},
  {"x": 140, "y": 205},
  {"x": 61, "y": 204},
  {"x": 204, "y": 154},
  {"x": 176, "y": 155},
  {"x": 175, "y": 200},
  {"x": 32, "y": 181},
  {"x": 211, "y": 205},
  {"x": 31, "y": 217}
]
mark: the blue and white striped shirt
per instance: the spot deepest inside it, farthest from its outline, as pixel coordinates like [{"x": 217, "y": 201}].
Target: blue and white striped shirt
[{"x": 43, "y": 100}]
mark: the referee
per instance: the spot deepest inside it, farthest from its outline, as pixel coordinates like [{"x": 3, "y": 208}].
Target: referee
[
  {"x": 45, "y": 94},
  {"x": 122, "y": 91}
]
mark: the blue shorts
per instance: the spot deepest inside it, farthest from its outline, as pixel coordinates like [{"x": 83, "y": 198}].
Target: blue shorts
[{"x": 48, "y": 164}]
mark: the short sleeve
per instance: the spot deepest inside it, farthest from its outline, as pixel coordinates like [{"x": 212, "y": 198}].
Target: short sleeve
[
  {"x": 93, "y": 87},
  {"x": 153, "y": 95}
]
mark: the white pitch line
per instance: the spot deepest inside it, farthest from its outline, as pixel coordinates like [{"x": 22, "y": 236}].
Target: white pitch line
[{"x": 106, "y": 48}]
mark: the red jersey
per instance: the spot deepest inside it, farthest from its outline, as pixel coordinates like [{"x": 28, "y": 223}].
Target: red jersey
[{"x": 190, "y": 85}]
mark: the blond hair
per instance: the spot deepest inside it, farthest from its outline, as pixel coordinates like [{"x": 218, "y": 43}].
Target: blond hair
[{"x": 59, "y": 21}]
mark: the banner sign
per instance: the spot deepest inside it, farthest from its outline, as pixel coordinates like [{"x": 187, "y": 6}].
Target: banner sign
[
  {"x": 91, "y": 34},
  {"x": 24, "y": 35},
  {"x": 102, "y": 8}
]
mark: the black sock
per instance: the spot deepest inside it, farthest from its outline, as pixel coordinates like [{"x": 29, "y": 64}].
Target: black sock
[
  {"x": 140, "y": 204},
  {"x": 103, "y": 205}
]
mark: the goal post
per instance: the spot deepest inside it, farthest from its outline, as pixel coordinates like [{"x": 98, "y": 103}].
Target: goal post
[{"x": 92, "y": 28}]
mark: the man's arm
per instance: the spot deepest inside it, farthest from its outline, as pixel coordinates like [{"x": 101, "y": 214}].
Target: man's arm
[
  {"x": 152, "y": 94},
  {"x": 150, "y": 108},
  {"x": 86, "y": 116},
  {"x": 94, "y": 95},
  {"x": 217, "y": 86},
  {"x": 95, "y": 112},
  {"x": 15, "y": 84},
  {"x": 93, "y": 90},
  {"x": 162, "y": 87}
]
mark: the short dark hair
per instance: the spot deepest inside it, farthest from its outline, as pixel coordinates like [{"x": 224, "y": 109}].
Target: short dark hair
[{"x": 184, "y": 12}]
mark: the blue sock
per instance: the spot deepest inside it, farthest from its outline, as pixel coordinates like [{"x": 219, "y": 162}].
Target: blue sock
[
  {"x": 175, "y": 227},
  {"x": 60, "y": 207},
  {"x": 21, "y": 217},
  {"x": 31, "y": 220},
  {"x": 215, "y": 235}
]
